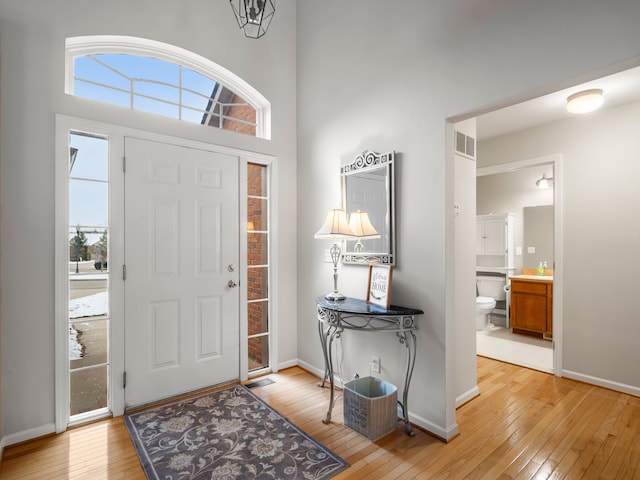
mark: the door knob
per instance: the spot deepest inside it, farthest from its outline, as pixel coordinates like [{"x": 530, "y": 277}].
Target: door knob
[{"x": 232, "y": 284}]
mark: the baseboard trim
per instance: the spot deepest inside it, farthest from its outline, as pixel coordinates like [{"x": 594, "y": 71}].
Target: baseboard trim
[
  {"x": 601, "y": 382},
  {"x": 444, "y": 434},
  {"x": 30, "y": 434},
  {"x": 287, "y": 364},
  {"x": 310, "y": 368},
  {"x": 467, "y": 396},
  {"x": 1, "y": 450}
]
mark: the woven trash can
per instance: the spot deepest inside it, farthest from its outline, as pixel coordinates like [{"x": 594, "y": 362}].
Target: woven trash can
[{"x": 370, "y": 407}]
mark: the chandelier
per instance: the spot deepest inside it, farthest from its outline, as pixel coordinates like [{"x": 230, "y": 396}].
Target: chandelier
[{"x": 254, "y": 16}]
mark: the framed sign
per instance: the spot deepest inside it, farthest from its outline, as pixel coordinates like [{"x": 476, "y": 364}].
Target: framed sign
[{"x": 379, "y": 290}]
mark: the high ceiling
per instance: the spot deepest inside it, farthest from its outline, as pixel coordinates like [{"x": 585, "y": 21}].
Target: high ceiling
[{"x": 619, "y": 89}]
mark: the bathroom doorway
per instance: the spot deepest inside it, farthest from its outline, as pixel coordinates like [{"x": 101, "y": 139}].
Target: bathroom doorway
[{"x": 514, "y": 188}]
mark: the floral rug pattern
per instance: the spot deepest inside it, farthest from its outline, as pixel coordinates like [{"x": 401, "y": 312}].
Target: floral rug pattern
[{"x": 226, "y": 435}]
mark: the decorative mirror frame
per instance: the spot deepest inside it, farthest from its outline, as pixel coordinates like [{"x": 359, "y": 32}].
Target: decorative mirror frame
[{"x": 364, "y": 162}]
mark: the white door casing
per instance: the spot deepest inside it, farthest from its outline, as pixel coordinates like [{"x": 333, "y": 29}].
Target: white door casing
[{"x": 182, "y": 250}]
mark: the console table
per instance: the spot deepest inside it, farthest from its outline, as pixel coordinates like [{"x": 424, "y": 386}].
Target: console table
[{"x": 352, "y": 314}]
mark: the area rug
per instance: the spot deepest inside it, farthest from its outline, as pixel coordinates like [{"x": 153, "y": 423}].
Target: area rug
[{"x": 225, "y": 435}]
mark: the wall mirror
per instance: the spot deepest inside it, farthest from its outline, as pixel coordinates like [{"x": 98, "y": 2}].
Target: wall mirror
[
  {"x": 538, "y": 233},
  {"x": 368, "y": 187}
]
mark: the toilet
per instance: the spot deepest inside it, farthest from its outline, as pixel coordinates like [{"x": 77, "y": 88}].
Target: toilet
[{"x": 490, "y": 289}]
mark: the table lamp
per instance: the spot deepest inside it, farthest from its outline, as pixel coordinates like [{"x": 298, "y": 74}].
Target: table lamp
[
  {"x": 361, "y": 225},
  {"x": 336, "y": 227}
]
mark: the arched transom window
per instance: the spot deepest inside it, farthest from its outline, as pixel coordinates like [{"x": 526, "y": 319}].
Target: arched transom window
[{"x": 159, "y": 78}]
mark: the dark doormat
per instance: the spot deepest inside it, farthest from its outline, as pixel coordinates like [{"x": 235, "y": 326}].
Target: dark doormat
[{"x": 260, "y": 383}]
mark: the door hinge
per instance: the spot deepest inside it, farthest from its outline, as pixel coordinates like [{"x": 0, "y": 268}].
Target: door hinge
[
  {"x": 124, "y": 164},
  {"x": 124, "y": 272},
  {"x": 124, "y": 379}
]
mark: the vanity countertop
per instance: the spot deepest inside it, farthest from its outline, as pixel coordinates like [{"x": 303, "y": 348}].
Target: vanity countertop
[{"x": 533, "y": 278}]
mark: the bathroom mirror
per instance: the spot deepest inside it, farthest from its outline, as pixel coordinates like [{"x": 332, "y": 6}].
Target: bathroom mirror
[
  {"x": 368, "y": 186},
  {"x": 538, "y": 233}
]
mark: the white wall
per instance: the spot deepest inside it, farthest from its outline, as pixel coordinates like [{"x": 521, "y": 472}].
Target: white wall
[
  {"x": 386, "y": 75},
  {"x": 32, "y": 38},
  {"x": 601, "y": 167},
  {"x": 461, "y": 285},
  {"x": 510, "y": 192},
  {"x": 371, "y": 74}
]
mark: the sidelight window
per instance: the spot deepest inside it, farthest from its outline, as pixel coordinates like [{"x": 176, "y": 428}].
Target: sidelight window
[
  {"x": 258, "y": 268},
  {"x": 88, "y": 275}
]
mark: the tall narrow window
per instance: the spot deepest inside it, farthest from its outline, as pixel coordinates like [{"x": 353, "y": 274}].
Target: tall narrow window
[
  {"x": 88, "y": 274},
  {"x": 143, "y": 75},
  {"x": 258, "y": 314}
]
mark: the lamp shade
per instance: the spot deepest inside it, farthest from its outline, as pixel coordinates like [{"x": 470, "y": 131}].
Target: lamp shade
[
  {"x": 585, "y": 101},
  {"x": 361, "y": 225},
  {"x": 253, "y": 16},
  {"x": 335, "y": 226}
]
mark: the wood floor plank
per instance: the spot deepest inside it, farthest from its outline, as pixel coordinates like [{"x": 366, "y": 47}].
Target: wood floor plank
[
  {"x": 554, "y": 450},
  {"x": 546, "y": 451},
  {"x": 598, "y": 467},
  {"x": 631, "y": 460},
  {"x": 589, "y": 448},
  {"x": 524, "y": 424}
]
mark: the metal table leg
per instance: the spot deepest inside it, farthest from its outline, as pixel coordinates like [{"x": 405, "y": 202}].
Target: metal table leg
[
  {"x": 408, "y": 339},
  {"x": 331, "y": 334},
  {"x": 323, "y": 342}
]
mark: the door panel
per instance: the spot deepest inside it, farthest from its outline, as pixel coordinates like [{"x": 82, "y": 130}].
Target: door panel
[{"x": 181, "y": 233}]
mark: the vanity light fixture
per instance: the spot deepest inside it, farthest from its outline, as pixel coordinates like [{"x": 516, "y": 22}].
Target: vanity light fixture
[
  {"x": 362, "y": 228},
  {"x": 336, "y": 227},
  {"x": 585, "y": 101},
  {"x": 253, "y": 16},
  {"x": 543, "y": 183}
]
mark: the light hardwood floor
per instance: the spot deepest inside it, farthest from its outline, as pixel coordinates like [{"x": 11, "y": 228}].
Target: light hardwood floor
[{"x": 525, "y": 424}]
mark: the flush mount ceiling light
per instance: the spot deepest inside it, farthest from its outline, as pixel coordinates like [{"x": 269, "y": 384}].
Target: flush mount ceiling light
[
  {"x": 253, "y": 16},
  {"x": 585, "y": 101}
]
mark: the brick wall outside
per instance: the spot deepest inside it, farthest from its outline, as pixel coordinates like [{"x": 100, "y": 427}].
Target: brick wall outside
[
  {"x": 257, "y": 278},
  {"x": 257, "y": 248},
  {"x": 241, "y": 112}
]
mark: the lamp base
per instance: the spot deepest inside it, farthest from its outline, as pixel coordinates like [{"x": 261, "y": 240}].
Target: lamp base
[{"x": 335, "y": 297}]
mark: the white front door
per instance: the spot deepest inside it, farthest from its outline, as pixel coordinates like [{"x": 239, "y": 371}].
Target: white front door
[{"x": 182, "y": 255}]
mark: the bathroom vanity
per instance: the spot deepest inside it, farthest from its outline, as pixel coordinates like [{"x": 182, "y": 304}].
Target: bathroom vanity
[{"x": 532, "y": 305}]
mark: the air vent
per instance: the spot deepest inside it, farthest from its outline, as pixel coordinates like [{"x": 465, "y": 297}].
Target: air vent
[{"x": 465, "y": 145}]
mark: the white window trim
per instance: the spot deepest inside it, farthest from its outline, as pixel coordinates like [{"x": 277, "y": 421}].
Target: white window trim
[
  {"x": 97, "y": 44},
  {"x": 116, "y": 134},
  {"x": 271, "y": 164}
]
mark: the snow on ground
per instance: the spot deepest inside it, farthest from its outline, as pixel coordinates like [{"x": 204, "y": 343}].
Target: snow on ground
[
  {"x": 88, "y": 306},
  {"x": 76, "y": 349}
]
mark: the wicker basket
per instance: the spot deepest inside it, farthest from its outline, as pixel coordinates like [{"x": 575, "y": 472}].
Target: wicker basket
[{"x": 370, "y": 407}]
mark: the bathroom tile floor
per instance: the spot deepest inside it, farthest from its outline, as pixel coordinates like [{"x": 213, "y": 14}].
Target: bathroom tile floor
[{"x": 500, "y": 344}]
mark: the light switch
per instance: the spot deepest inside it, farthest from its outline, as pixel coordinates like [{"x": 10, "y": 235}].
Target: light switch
[
  {"x": 518, "y": 250},
  {"x": 531, "y": 249}
]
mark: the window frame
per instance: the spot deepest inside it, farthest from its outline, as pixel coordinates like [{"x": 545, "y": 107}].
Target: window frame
[
  {"x": 113, "y": 44},
  {"x": 269, "y": 265}
]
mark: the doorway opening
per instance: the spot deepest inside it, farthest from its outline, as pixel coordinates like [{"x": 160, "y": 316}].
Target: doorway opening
[
  {"x": 512, "y": 188},
  {"x": 100, "y": 260}
]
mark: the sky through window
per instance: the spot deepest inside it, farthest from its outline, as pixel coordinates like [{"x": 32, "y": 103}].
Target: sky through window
[{"x": 160, "y": 87}]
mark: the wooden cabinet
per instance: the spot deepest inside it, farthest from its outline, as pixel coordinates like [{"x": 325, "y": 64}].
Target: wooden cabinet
[
  {"x": 494, "y": 237},
  {"x": 531, "y": 305}
]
